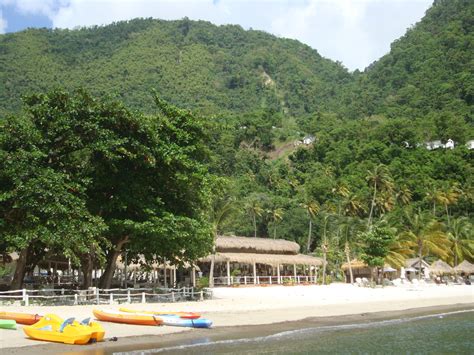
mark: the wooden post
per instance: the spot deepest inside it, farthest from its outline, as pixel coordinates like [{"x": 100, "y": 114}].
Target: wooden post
[
  {"x": 310, "y": 274},
  {"x": 166, "y": 281},
  {"x": 111, "y": 298},
  {"x": 129, "y": 299},
  {"x": 294, "y": 270},
  {"x": 228, "y": 273},
  {"x": 143, "y": 297},
  {"x": 254, "y": 273},
  {"x": 278, "y": 274},
  {"x": 193, "y": 277}
]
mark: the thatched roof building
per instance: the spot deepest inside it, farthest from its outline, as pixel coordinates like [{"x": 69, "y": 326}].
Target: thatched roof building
[
  {"x": 440, "y": 267},
  {"x": 415, "y": 263},
  {"x": 465, "y": 267},
  {"x": 247, "y": 250}
]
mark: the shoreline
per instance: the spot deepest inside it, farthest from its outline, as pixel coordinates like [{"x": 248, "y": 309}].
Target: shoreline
[{"x": 247, "y": 313}]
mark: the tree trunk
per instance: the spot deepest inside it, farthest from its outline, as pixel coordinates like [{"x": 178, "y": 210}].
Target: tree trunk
[
  {"x": 213, "y": 262},
  {"x": 211, "y": 271},
  {"x": 372, "y": 206},
  {"x": 420, "y": 254},
  {"x": 324, "y": 265},
  {"x": 86, "y": 267},
  {"x": 255, "y": 225},
  {"x": 447, "y": 215},
  {"x": 20, "y": 270},
  {"x": 106, "y": 278},
  {"x": 274, "y": 231},
  {"x": 348, "y": 257},
  {"x": 308, "y": 246}
]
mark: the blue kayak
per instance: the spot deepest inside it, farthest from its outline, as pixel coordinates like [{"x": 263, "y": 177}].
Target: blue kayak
[{"x": 182, "y": 322}]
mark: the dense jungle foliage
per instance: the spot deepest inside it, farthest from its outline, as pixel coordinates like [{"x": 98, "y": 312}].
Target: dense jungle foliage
[{"x": 367, "y": 176}]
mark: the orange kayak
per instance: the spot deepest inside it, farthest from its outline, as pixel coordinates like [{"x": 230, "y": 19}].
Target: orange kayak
[
  {"x": 127, "y": 318},
  {"x": 21, "y": 318},
  {"x": 186, "y": 315}
]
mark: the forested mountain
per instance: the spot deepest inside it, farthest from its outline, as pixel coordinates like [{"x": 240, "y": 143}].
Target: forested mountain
[
  {"x": 428, "y": 74},
  {"x": 194, "y": 64},
  {"x": 257, "y": 95}
]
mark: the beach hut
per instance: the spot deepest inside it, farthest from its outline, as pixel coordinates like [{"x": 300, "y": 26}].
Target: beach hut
[
  {"x": 465, "y": 268},
  {"x": 254, "y": 261},
  {"x": 439, "y": 267},
  {"x": 362, "y": 270}
]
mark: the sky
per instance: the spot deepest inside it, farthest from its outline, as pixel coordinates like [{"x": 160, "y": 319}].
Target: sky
[{"x": 353, "y": 32}]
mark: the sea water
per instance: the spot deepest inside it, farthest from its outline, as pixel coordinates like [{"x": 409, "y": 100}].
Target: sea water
[{"x": 442, "y": 333}]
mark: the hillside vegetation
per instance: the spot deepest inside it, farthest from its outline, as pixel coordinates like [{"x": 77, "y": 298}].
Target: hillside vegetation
[{"x": 138, "y": 169}]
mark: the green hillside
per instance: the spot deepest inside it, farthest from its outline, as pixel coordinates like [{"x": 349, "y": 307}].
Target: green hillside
[
  {"x": 428, "y": 74},
  {"x": 197, "y": 65}
]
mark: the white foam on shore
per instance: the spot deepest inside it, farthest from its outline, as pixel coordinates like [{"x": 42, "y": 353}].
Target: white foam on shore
[{"x": 291, "y": 333}]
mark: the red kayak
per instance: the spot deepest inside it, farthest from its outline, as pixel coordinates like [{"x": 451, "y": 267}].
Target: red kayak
[{"x": 21, "y": 318}]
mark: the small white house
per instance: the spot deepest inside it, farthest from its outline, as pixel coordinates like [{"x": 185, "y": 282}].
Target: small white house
[
  {"x": 434, "y": 145},
  {"x": 449, "y": 144},
  {"x": 308, "y": 140},
  {"x": 470, "y": 144}
]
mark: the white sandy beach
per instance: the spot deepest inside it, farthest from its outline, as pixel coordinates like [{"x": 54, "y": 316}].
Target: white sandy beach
[{"x": 266, "y": 305}]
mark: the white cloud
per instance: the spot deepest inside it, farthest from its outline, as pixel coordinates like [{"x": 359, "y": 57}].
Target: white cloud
[
  {"x": 3, "y": 23},
  {"x": 355, "y": 32}
]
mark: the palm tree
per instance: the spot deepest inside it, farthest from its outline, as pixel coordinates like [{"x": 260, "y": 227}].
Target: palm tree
[
  {"x": 254, "y": 208},
  {"x": 353, "y": 206},
  {"x": 222, "y": 208},
  {"x": 404, "y": 195},
  {"x": 462, "y": 238},
  {"x": 312, "y": 209},
  {"x": 448, "y": 196},
  {"x": 325, "y": 244},
  {"x": 349, "y": 229},
  {"x": 400, "y": 249},
  {"x": 427, "y": 234},
  {"x": 380, "y": 179},
  {"x": 276, "y": 215}
]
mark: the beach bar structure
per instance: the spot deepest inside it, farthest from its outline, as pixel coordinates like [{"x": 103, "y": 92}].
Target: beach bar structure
[{"x": 257, "y": 261}]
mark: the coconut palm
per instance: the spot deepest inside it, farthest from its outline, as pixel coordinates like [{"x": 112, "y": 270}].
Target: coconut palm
[
  {"x": 427, "y": 234},
  {"x": 400, "y": 249},
  {"x": 222, "y": 209},
  {"x": 276, "y": 214},
  {"x": 254, "y": 209},
  {"x": 448, "y": 196},
  {"x": 353, "y": 206},
  {"x": 462, "y": 238},
  {"x": 404, "y": 195},
  {"x": 349, "y": 228},
  {"x": 312, "y": 208},
  {"x": 380, "y": 180}
]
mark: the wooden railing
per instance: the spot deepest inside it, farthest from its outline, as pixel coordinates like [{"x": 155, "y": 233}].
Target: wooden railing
[{"x": 263, "y": 280}]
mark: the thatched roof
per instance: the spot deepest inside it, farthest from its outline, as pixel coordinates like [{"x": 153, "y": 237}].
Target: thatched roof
[
  {"x": 415, "y": 263},
  {"x": 355, "y": 264},
  {"x": 465, "y": 267},
  {"x": 440, "y": 267},
  {"x": 358, "y": 264},
  {"x": 266, "y": 259},
  {"x": 154, "y": 265},
  {"x": 235, "y": 244}
]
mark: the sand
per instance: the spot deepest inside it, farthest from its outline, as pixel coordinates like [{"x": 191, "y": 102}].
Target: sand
[{"x": 250, "y": 306}]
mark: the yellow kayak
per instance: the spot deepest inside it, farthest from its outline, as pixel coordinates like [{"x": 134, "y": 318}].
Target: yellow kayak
[
  {"x": 48, "y": 329},
  {"x": 187, "y": 315}
]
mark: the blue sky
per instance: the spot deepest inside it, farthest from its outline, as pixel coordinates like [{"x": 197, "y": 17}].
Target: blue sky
[{"x": 354, "y": 32}]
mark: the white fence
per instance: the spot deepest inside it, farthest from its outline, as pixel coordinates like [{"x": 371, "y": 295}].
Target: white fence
[
  {"x": 102, "y": 296},
  {"x": 263, "y": 280}
]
